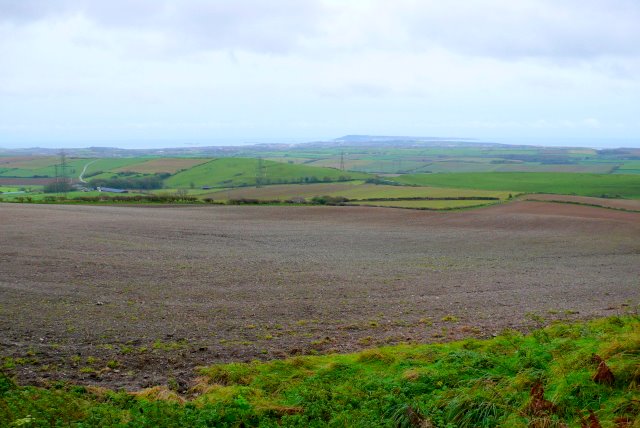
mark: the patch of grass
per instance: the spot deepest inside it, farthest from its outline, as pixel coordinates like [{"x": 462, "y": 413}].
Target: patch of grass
[{"x": 542, "y": 379}]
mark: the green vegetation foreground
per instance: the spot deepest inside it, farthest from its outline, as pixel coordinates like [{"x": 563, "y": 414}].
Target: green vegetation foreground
[{"x": 563, "y": 375}]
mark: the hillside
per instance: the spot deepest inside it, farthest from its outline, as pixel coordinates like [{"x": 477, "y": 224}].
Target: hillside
[{"x": 234, "y": 172}]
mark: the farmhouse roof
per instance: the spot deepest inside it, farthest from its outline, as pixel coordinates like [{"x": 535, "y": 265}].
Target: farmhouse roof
[{"x": 112, "y": 190}]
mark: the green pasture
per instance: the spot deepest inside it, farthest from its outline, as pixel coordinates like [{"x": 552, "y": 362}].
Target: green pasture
[
  {"x": 45, "y": 167},
  {"x": 234, "y": 172},
  {"x": 612, "y": 185},
  {"x": 545, "y": 379},
  {"x": 74, "y": 167},
  {"x": 109, "y": 164}
]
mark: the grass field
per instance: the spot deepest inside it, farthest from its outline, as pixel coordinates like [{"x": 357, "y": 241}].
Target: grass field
[
  {"x": 232, "y": 172},
  {"x": 169, "y": 165},
  {"x": 562, "y": 183},
  {"x": 45, "y": 166},
  {"x": 41, "y": 167},
  {"x": 108, "y": 164},
  {"x": 428, "y": 205},
  {"x": 546, "y": 379}
]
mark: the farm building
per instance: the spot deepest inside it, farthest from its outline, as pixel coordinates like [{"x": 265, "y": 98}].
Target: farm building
[{"x": 111, "y": 190}]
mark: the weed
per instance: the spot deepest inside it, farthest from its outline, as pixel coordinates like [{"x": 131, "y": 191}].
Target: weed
[
  {"x": 426, "y": 321},
  {"x": 366, "y": 340}
]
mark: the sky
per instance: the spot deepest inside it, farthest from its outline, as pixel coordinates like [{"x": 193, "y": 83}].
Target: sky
[{"x": 158, "y": 73}]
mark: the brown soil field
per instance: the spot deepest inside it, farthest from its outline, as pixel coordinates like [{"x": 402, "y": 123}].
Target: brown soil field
[
  {"x": 27, "y": 162},
  {"x": 624, "y": 204},
  {"x": 26, "y": 181},
  {"x": 170, "y": 165},
  {"x": 129, "y": 297}
]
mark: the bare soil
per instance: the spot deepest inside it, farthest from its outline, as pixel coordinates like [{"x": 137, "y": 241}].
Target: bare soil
[
  {"x": 28, "y": 181},
  {"x": 129, "y": 297}
]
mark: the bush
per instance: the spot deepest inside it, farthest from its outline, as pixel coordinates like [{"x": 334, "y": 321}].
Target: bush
[
  {"x": 329, "y": 200},
  {"x": 58, "y": 187},
  {"x": 146, "y": 182}
]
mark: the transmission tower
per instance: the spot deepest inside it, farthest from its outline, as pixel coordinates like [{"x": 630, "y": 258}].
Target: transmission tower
[
  {"x": 342, "y": 161},
  {"x": 62, "y": 184}
]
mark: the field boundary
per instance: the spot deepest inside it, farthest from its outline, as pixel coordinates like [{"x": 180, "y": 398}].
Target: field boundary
[{"x": 557, "y": 201}]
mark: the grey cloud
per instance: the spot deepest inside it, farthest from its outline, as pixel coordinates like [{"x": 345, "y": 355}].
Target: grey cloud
[
  {"x": 28, "y": 10},
  {"x": 561, "y": 30},
  {"x": 570, "y": 29},
  {"x": 254, "y": 25}
]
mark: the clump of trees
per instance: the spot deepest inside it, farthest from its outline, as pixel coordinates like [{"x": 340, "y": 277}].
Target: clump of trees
[
  {"x": 329, "y": 200},
  {"x": 382, "y": 181},
  {"x": 251, "y": 201},
  {"x": 58, "y": 187},
  {"x": 145, "y": 182}
]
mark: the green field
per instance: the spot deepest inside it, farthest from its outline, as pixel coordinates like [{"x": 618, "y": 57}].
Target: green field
[
  {"x": 41, "y": 168},
  {"x": 233, "y": 172},
  {"x": 545, "y": 379},
  {"x": 45, "y": 167},
  {"x": 428, "y": 205},
  {"x": 108, "y": 164},
  {"x": 612, "y": 185}
]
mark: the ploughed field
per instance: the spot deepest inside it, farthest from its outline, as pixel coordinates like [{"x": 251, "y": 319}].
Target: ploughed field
[{"x": 139, "y": 296}]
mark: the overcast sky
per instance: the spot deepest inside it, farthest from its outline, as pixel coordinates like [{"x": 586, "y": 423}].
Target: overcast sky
[{"x": 142, "y": 73}]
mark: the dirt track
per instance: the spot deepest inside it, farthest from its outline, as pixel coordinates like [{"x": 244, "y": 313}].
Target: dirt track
[{"x": 136, "y": 296}]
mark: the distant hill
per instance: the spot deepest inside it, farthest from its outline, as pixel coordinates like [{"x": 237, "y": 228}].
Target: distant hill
[
  {"x": 414, "y": 141},
  {"x": 250, "y": 150}
]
